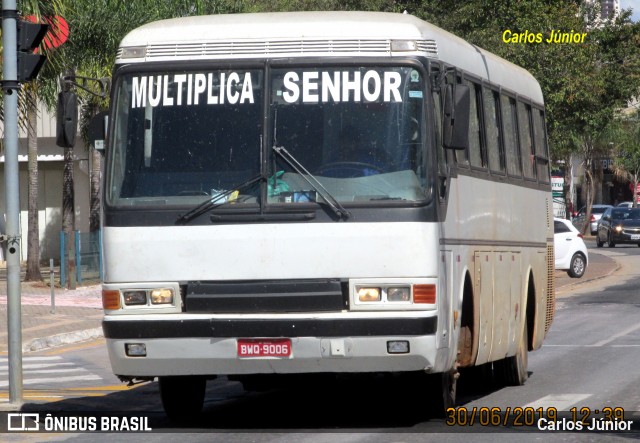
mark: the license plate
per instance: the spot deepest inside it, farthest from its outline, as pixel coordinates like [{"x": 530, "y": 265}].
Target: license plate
[
  {"x": 635, "y": 237},
  {"x": 263, "y": 347}
]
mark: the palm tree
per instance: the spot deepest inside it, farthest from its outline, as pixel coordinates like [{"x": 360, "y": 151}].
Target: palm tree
[{"x": 31, "y": 96}]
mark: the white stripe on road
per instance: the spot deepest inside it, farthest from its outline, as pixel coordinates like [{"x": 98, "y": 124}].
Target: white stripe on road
[
  {"x": 33, "y": 381},
  {"x": 559, "y": 401},
  {"x": 37, "y": 366},
  {"x": 55, "y": 371},
  {"x": 42, "y": 358},
  {"x": 618, "y": 335}
]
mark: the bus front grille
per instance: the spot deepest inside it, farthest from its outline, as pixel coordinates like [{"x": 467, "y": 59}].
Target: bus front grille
[{"x": 266, "y": 296}]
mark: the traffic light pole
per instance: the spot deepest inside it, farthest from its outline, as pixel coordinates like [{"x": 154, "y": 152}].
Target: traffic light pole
[{"x": 12, "y": 190}]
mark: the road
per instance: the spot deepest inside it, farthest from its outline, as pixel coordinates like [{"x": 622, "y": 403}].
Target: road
[{"x": 589, "y": 362}]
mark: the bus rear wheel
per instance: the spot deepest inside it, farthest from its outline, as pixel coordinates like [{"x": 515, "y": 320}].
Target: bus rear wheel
[{"x": 182, "y": 397}]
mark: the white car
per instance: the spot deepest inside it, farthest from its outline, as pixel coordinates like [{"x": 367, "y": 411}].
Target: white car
[{"x": 570, "y": 250}]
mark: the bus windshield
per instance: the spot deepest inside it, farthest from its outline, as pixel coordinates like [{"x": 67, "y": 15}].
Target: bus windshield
[{"x": 185, "y": 137}]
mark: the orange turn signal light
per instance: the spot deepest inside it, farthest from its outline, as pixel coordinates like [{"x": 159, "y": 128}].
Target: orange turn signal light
[
  {"x": 424, "y": 294},
  {"x": 110, "y": 299}
]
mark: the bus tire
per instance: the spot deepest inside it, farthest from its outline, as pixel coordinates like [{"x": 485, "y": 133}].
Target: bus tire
[
  {"x": 443, "y": 388},
  {"x": 182, "y": 397},
  {"x": 513, "y": 370}
]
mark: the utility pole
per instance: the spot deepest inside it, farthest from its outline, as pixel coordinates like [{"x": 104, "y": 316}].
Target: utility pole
[
  {"x": 19, "y": 39},
  {"x": 12, "y": 189}
]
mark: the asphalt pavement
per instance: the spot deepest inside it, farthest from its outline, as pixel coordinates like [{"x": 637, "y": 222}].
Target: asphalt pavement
[{"x": 76, "y": 315}]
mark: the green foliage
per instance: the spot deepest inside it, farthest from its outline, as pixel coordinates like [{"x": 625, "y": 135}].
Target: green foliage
[
  {"x": 583, "y": 84},
  {"x": 624, "y": 134}
]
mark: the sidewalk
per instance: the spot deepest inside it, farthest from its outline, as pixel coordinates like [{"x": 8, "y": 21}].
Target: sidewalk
[{"x": 78, "y": 313}]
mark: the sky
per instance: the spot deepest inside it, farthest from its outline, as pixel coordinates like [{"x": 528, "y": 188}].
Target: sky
[{"x": 635, "y": 5}]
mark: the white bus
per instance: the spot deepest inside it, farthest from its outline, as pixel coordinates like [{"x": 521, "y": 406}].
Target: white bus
[{"x": 322, "y": 193}]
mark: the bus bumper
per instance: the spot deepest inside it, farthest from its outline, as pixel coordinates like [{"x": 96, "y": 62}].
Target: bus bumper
[{"x": 188, "y": 352}]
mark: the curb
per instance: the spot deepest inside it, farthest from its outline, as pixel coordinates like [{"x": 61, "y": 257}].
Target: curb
[
  {"x": 40, "y": 344},
  {"x": 591, "y": 280}
]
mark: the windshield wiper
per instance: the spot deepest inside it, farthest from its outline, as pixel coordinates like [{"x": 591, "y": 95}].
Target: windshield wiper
[
  {"x": 335, "y": 206},
  {"x": 215, "y": 201}
]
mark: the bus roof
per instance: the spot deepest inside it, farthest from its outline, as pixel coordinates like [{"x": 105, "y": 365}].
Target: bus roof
[{"x": 309, "y": 34}]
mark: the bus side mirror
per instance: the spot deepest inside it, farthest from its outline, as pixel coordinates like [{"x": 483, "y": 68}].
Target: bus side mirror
[
  {"x": 455, "y": 130},
  {"x": 66, "y": 119},
  {"x": 97, "y": 130}
]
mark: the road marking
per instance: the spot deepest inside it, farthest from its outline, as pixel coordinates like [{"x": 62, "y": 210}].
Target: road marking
[
  {"x": 38, "y": 365},
  {"x": 559, "y": 401},
  {"x": 45, "y": 358},
  {"x": 589, "y": 346},
  {"x": 48, "y": 370},
  {"x": 618, "y": 335},
  {"x": 66, "y": 348},
  {"x": 32, "y": 381},
  {"x": 55, "y": 371},
  {"x": 60, "y": 393}
]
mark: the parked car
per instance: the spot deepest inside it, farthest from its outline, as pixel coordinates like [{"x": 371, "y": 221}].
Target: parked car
[
  {"x": 596, "y": 213},
  {"x": 570, "y": 251},
  {"x": 624, "y": 205},
  {"x": 619, "y": 225}
]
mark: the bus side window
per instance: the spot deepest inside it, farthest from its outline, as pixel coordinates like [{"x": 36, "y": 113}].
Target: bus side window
[
  {"x": 526, "y": 143},
  {"x": 512, "y": 153},
  {"x": 492, "y": 130},
  {"x": 475, "y": 139},
  {"x": 540, "y": 146}
]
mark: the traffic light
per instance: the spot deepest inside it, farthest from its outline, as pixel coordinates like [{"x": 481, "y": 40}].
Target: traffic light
[
  {"x": 66, "y": 119},
  {"x": 29, "y": 36}
]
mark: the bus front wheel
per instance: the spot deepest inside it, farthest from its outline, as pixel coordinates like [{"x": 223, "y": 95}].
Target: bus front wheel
[
  {"x": 443, "y": 389},
  {"x": 182, "y": 397}
]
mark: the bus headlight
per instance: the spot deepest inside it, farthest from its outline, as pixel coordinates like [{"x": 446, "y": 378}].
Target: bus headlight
[
  {"x": 369, "y": 294},
  {"x": 401, "y": 293},
  {"x": 161, "y": 296},
  {"x": 132, "y": 298}
]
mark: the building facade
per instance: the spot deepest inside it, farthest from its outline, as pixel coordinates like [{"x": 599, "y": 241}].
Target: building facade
[
  {"x": 50, "y": 172},
  {"x": 609, "y": 9}
]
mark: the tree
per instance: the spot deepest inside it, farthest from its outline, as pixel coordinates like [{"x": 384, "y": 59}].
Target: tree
[
  {"x": 583, "y": 84},
  {"x": 33, "y": 226},
  {"x": 625, "y": 136}
]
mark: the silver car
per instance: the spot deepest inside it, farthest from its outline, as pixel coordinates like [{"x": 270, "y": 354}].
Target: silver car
[{"x": 596, "y": 213}]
